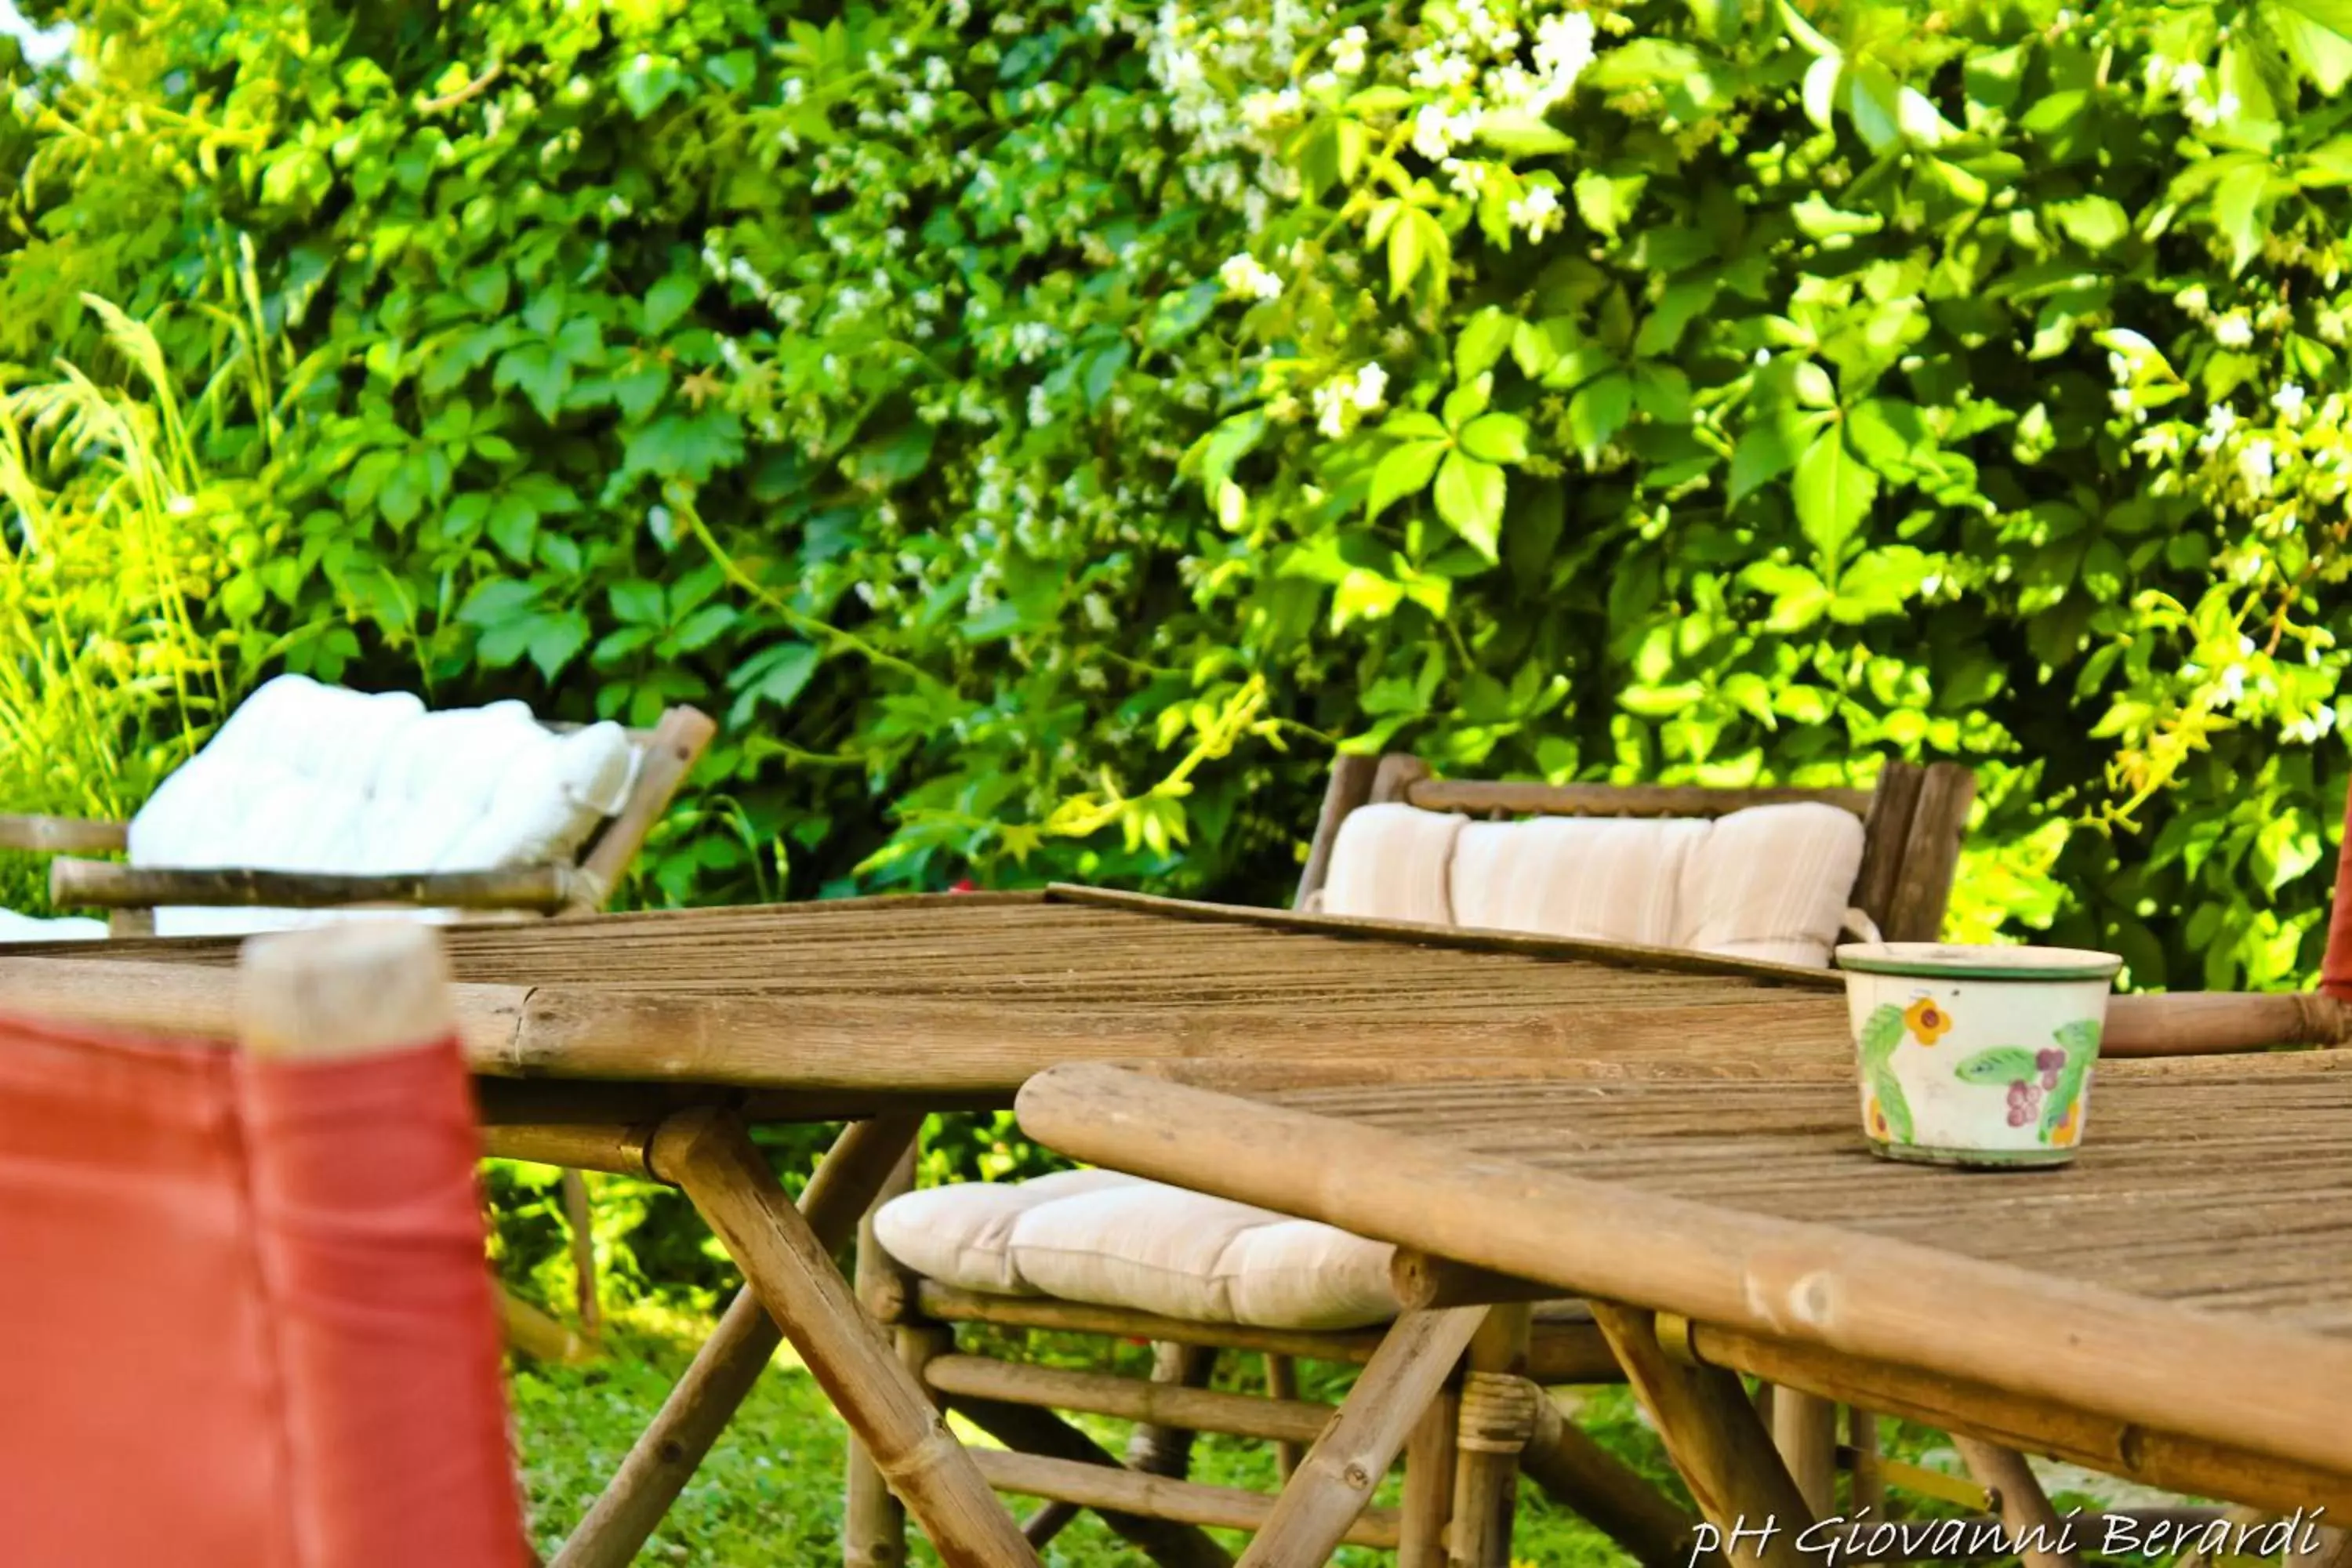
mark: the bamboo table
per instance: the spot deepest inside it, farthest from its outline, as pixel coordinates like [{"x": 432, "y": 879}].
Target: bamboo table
[
  {"x": 645, "y": 1043},
  {"x": 2176, "y": 1308}
]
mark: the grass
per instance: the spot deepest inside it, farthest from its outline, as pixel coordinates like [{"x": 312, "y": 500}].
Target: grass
[{"x": 769, "y": 1496}]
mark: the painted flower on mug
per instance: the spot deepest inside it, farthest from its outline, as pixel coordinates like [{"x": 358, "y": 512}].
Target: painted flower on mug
[
  {"x": 2069, "y": 1126},
  {"x": 1926, "y": 1020},
  {"x": 1877, "y": 1119}
]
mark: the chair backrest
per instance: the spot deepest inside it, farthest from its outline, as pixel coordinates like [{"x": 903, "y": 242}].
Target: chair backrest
[
  {"x": 314, "y": 778},
  {"x": 250, "y": 1323},
  {"x": 1764, "y": 873}
]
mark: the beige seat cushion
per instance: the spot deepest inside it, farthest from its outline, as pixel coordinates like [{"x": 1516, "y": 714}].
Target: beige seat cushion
[
  {"x": 1770, "y": 882},
  {"x": 1115, "y": 1241},
  {"x": 963, "y": 1235},
  {"x": 1391, "y": 863}
]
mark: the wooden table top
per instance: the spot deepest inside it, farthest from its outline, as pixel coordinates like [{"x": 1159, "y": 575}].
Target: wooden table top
[
  {"x": 971, "y": 993},
  {"x": 2193, "y": 1265}
]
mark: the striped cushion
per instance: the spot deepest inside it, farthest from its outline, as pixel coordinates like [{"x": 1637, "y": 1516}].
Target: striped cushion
[
  {"x": 1770, "y": 882},
  {"x": 1391, "y": 863}
]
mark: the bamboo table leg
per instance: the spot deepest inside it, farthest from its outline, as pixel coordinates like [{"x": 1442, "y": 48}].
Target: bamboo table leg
[
  {"x": 1715, "y": 1440},
  {"x": 1487, "y": 1470},
  {"x": 1574, "y": 1470},
  {"x": 1336, "y": 1480},
  {"x": 730, "y": 1360},
  {"x": 709, "y": 1155},
  {"x": 2025, "y": 1509}
]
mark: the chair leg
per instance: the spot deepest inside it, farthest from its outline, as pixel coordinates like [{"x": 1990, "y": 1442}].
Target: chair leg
[
  {"x": 1153, "y": 1449},
  {"x": 1579, "y": 1473},
  {"x": 1712, "y": 1433},
  {"x": 1496, "y": 1420},
  {"x": 1804, "y": 1428},
  {"x": 580, "y": 1217},
  {"x": 1408, "y": 1370},
  {"x": 1282, "y": 1382},
  {"x": 1428, "y": 1508},
  {"x": 1862, "y": 1436},
  {"x": 1037, "y": 1431},
  {"x": 874, "y": 1522},
  {"x": 2025, "y": 1509}
]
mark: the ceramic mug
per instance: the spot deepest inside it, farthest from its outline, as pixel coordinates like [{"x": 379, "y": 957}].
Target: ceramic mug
[{"x": 1975, "y": 1056}]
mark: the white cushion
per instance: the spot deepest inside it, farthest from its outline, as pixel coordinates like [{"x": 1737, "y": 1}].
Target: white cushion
[
  {"x": 1597, "y": 878},
  {"x": 1770, "y": 882},
  {"x": 963, "y": 1235},
  {"x": 305, "y": 777},
  {"x": 14, "y": 927},
  {"x": 1390, "y": 862},
  {"x": 1115, "y": 1241}
]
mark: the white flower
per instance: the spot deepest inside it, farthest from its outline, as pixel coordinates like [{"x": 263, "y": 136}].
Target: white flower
[
  {"x": 1342, "y": 397},
  {"x": 2219, "y": 422},
  {"x": 2309, "y": 729},
  {"x": 2232, "y": 683},
  {"x": 2233, "y": 331},
  {"x": 1468, "y": 177},
  {"x": 2289, "y": 401},
  {"x": 2255, "y": 462},
  {"x": 1371, "y": 387},
  {"x": 1245, "y": 278},
  {"x": 1433, "y": 133},
  {"x": 2187, "y": 78},
  {"x": 2120, "y": 398},
  {"x": 1564, "y": 44},
  {"x": 1538, "y": 211},
  {"x": 1348, "y": 52},
  {"x": 1263, "y": 109}
]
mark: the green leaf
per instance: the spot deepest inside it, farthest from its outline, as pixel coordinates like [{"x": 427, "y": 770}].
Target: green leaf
[
  {"x": 1466, "y": 401},
  {"x": 1481, "y": 342},
  {"x": 513, "y": 525},
  {"x": 774, "y": 675},
  {"x": 1819, "y": 94},
  {"x": 638, "y": 602},
  {"x": 684, "y": 445},
  {"x": 1496, "y": 438},
  {"x": 1998, "y": 1064},
  {"x": 1681, "y": 302},
  {"x": 555, "y": 640},
  {"x": 1470, "y": 499},
  {"x": 1402, "y": 472},
  {"x": 2241, "y": 209},
  {"x": 1833, "y": 492},
  {"x": 667, "y": 301},
  {"x": 1598, "y": 411},
  {"x": 1522, "y": 135},
  {"x": 1606, "y": 201},
  {"x": 2095, "y": 223}
]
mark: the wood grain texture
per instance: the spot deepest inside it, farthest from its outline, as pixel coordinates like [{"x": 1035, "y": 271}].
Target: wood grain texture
[
  {"x": 108, "y": 884},
  {"x": 62, "y": 835},
  {"x": 1758, "y": 1207},
  {"x": 1482, "y": 797}
]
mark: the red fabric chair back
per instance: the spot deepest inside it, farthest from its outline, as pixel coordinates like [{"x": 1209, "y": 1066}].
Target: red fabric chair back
[{"x": 247, "y": 1322}]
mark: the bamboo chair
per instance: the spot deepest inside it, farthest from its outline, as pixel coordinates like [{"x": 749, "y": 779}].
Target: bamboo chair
[
  {"x": 253, "y": 1323},
  {"x": 130, "y": 893},
  {"x": 1475, "y": 1437}
]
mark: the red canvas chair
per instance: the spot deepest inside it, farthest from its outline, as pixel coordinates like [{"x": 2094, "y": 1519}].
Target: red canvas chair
[{"x": 249, "y": 1322}]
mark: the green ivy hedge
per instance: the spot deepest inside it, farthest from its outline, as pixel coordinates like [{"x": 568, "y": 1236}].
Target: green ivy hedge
[{"x": 1043, "y": 432}]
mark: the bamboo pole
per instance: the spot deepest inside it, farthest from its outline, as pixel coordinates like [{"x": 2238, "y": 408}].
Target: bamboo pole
[
  {"x": 873, "y": 1521},
  {"x": 110, "y": 884},
  {"x": 1489, "y": 1434},
  {"x": 576, "y": 1146},
  {"x": 2266, "y": 1389},
  {"x": 2025, "y": 1511},
  {"x": 709, "y": 1154},
  {"x": 2150, "y": 1456},
  {"x": 1281, "y": 1383},
  {"x": 1580, "y": 1474},
  {"x": 950, "y": 1305},
  {"x": 1336, "y": 1479},
  {"x": 1862, "y": 1436},
  {"x": 1128, "y": 1399},
  {"x": 706, "y": 1397},
  {"x": 578, "y": 1214},
  {"x": 1804, "y": 1429},
  {"x": 1427, "y": 1509},
  {"x": 1140, "y": 1516},
  {"x": 542, "y": 1336},
  {"x": 1110, "y": 1488},
  {"x": 1713, "y": 1435}
]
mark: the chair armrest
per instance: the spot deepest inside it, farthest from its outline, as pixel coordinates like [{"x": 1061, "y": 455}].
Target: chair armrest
[
  {"x": 62, "y": 835},
  {"x": 104, "y": 884}
]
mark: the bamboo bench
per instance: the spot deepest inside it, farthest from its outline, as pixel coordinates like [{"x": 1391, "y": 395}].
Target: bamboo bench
[
  {"x": 1911, "y": 826},
  {"x": 275, "y": 741}
]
